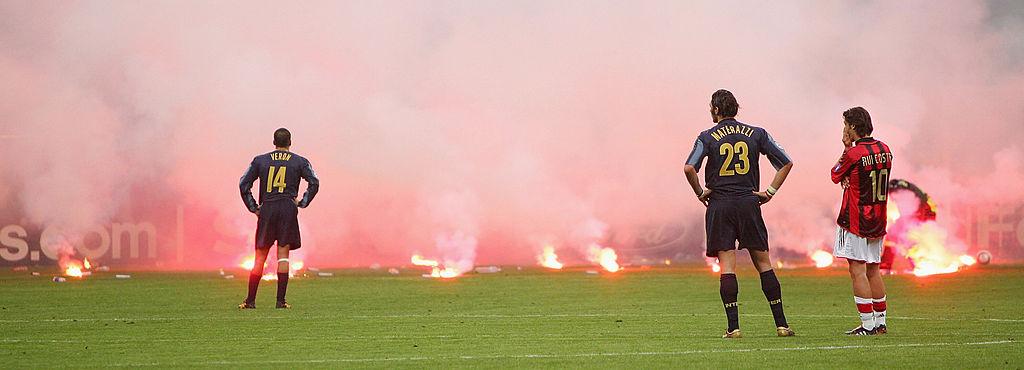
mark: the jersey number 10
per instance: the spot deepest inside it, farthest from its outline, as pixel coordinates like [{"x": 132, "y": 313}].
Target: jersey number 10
[
  {"x": 740, "y": 150},
  {"x": 879, "y": 185},
  {"x": 276, "y": 181}
]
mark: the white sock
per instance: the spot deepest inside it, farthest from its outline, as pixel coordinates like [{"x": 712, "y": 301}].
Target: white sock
[
  {"x": 879, "y": 315},
  {"x": 867, "y": 315}
]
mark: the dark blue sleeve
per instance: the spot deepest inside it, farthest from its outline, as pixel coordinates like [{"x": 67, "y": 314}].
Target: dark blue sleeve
[
  {"x": 245, "y": 186},
  {"x": 697, "y": 155},
  {"x": 771, "y": 149},
  {"x": 312, "y": 184}
]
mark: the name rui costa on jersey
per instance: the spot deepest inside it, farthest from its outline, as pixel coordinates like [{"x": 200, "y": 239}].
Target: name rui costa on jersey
[{"x": 872, "y": 159}]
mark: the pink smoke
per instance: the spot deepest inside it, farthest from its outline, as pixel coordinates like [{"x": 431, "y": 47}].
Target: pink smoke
[{"x": 475, "y": 130}]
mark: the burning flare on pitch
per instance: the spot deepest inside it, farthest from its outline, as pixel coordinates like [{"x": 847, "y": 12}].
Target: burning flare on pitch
[
  {"x": 549, "y": 259},
  {"x": 436, "y": 269},
  {"x": 294, "y": 265},
  {"x": 928, "y": 251},
  {"x": 822, "y": 259},
  {"x": 418, "y": 260},
  {"x": 73, "y": 269},
  {"x": 892, "y": 213},
  {"x": 604, "y": 256},
  {"x": 713, "y": 264},
  {"x": 915, "y": 233},
  {"x": 71, "y": 266}
]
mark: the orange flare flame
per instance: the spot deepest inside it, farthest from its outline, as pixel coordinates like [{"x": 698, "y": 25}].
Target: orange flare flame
[
  {"x": 549, "y": 259},
  {"x": 73, "y": 269},
  {"x": 892, "y": 212},
  {"x": 418, "y": 260},
  {"x": 713, "y": 263},
  {"x": 436, "y": 269},
  {"x": 445, "y": 273},
  {"x": 249, "y": 263},
  {"x": 929, "y": 251},
  {"x": 822, "y": 259},
  {"x": 605, "y": 257}
]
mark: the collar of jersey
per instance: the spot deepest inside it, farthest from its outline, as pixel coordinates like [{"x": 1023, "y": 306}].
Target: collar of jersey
[
  {"x": 726, "y": 119},
  {"x": 865, "y": 139}
]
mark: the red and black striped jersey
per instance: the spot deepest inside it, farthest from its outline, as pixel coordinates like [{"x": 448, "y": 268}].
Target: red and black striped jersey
[{"x": 866, "y": 164}]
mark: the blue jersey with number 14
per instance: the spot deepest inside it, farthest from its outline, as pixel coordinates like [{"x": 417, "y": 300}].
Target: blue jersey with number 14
[
  {"x": 279, "y": 173},
  {"x": 732, "y": 149}
]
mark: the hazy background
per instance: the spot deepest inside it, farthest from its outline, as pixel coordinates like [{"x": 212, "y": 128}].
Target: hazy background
[{"x": 479, "y": 130}]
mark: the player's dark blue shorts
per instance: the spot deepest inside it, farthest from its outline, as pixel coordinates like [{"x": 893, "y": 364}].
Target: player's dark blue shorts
[
  {"x": 278, "y": 222},
  {"x": 729, "y": 221}
]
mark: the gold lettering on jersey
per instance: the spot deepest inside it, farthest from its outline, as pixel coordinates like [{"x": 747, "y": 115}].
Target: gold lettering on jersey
[
  {"x": 732, "y": 129},
  {"x": 872, "y": 159},
  {"x": 280, "y": 156}
]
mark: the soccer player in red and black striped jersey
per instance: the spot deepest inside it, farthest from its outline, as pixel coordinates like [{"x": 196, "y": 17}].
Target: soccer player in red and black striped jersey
[
  {"x": 863, "y": 170},
  {"x": 277, "y": 213}
]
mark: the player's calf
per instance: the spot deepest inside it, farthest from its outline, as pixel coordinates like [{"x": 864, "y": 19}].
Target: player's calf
[
  {"x": 773, "y": 293},
  {"x": 729, "y": 290},
  {"x": 282, "y": 283}
]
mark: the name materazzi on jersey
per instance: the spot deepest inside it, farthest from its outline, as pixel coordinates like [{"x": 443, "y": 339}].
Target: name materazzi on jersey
[{"x": 732, "y": 129}]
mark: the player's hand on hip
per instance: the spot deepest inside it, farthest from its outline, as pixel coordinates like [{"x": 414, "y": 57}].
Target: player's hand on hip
[
  {"x": 703, "y": 197},
  {"x": 764, "y": 196},
  {"x": 296, "y": 201},
  {"x": 845, "y": 183}
]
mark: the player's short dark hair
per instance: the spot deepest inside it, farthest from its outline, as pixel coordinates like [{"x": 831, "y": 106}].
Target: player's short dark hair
[
  {"x": 860, "y": 120},
  {"x": 725, "y": 102},
  {"x": 282, "y": 138}
]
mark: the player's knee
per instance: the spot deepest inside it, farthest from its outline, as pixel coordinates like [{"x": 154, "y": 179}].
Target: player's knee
[
  {"x": 857, "y": 269},
  {"x": 873, "y": 274}
]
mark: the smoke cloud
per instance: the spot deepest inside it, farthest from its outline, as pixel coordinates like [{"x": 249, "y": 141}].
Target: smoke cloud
[{"x": 475, "y": 132}]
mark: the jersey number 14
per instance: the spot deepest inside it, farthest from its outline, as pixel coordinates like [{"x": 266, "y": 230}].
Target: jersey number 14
[{"x": 276, "y": 181}]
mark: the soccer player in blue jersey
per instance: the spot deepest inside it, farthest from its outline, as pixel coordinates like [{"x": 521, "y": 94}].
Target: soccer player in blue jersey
[
  {"x": 277, "y": 211},
  {"x": 733, "y": 199}
]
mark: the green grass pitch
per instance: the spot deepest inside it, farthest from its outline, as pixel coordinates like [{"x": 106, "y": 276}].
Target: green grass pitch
[{"x": 639, "y": 318}]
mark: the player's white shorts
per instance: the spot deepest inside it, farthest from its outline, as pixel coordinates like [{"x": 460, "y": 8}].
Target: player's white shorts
[{"x": 850, "y": 246}]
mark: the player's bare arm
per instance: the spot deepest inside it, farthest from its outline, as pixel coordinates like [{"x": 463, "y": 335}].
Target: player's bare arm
[
  {"x": 694, "y": 180},
  {"x": 780, "y": 178}
]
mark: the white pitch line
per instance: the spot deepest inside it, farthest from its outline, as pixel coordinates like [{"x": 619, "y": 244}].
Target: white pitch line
[
  {"x": 480, "y": 316},
  {"x": 568, "y": 355}
]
